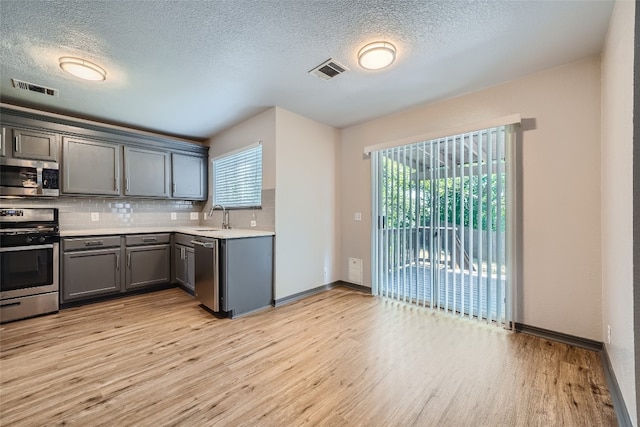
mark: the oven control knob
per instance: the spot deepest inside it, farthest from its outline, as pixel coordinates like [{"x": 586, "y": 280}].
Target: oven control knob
[
  {"x": 29, "y": 239},
  {"x": 41, "y": 239}
]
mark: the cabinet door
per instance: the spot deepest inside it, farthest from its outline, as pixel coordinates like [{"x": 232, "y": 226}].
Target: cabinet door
[
  {"x": 36, "y": 145},
  {"x": 87, "y": 274},
  {"x": 190, "y": 268},
  {"x": 148, "y": 265},
  {"x": 189, "y": 174},
  {"x": 147, "y": 172},
  {"x": 179, "y": 258},
  {"x": 90, "y": 167},
  {"x": 3, "y": 141}
]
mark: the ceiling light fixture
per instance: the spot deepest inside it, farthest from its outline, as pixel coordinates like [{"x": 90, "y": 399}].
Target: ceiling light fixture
[
  {"x": 377, "y": 55},
  {"x": 83, "y": 69}
]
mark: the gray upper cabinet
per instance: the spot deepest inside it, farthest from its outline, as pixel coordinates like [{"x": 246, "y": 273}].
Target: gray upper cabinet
[
  {"x": 189, "y": 176},
  {"x": 34, "y": 145},
  {"x": 90, "y": 167},
  {"x": 147, "y": 172}
]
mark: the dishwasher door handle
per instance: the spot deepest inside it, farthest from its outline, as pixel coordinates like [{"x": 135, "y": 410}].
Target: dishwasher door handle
[{"x": 208, "y": 245}]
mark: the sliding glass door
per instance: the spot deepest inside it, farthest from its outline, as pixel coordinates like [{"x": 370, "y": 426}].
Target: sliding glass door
[{"x": 443, "y": 220}]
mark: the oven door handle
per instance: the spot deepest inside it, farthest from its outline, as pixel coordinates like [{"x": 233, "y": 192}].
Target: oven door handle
[{"x": 25, "y": 248}]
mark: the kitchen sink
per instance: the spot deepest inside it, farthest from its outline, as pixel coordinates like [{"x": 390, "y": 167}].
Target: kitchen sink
[{"x": 208, "y": 229}]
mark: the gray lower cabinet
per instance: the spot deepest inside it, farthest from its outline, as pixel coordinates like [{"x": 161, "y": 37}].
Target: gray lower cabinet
[
  {"x": 148, "y": 260},
  {"x": 34, "y": 145},
  {"x": 246, "y": 274},
  {"x": 189, "y": 175},
  {"x": 90, "y": 167},
  {"x": 91, "y": 267},
  {"x": 3, "y": 141},
  {"x": 185, "y": 266},
  {"x": 184, "y": 261},
  {"x": 147, "y": 173}
]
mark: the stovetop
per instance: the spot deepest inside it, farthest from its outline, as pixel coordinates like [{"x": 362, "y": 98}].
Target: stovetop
[{"x": 28, "y": 226}]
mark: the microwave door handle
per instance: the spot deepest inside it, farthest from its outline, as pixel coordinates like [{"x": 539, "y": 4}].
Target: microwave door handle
[{"x": 39, "y": 179}]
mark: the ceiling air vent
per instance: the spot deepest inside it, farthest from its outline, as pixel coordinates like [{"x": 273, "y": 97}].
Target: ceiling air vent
[
  {"x": 328, "y": 69},
  {"x": 19, "y": 84}
]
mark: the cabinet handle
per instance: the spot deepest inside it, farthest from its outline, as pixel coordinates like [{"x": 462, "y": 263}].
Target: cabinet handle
[
  {"x": 117, "y": 185},
  {"x": 129, "y": 260},
  {"x": 183, "y": 254},
  {"x": 174, "y": 187},
  {"x": 149, "y": 239},
  {"x": 94, "y": 243},
  {"x": 126, "y": 184},
  {"x": 117, "y": 261},
  {"x": 17, "y": 144}
]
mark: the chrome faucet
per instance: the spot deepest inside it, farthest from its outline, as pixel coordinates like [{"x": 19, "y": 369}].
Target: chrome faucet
[{"x": 225, "y": 216}]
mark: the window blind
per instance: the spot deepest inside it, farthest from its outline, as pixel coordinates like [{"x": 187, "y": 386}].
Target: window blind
[
  {"x": 443, "y": 235},
  {"x": 237, "y": 178}
]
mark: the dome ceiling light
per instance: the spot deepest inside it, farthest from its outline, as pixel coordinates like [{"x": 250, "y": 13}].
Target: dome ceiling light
[
  {"x": 82, "y": 69},
  {"x": 377, "y": 55}
]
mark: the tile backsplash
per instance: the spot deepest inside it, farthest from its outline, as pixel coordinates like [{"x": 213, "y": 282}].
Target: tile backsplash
[{"x": 75, "y": 212}]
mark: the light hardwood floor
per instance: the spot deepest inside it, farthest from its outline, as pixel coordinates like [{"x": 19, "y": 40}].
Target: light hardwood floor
[{"x": 336, "y": 358}]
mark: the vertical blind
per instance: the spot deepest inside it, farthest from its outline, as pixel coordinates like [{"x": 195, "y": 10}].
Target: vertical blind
[
  {"x": 237, "y": 178},
  {"x": 443, "y": 218}
]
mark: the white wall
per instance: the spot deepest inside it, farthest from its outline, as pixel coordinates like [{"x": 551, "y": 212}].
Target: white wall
[
  {"x": 617, "y": 198},
  {"x": 561, "y": 287},
  {"x": 307, "y": 197}
]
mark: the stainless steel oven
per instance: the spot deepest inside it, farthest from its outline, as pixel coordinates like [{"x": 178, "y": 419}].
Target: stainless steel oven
[
  {"x": 29, "y": 260},
  {"x": 20, "y": 177}
]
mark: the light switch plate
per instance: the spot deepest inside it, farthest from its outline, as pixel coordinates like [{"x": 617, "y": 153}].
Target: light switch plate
[
  {"x": 95, "y": 216},
  {"x": 193, "y": 215},
  {"x": 357, "y": 216},
  {"x": 174, "y": 216},
  {"x": 253, "y": 223}
]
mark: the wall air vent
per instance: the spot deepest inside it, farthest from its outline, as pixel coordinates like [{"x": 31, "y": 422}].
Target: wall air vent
[
  {"x": 19, "y": 84},
  {"x": 328, "y": 69}
]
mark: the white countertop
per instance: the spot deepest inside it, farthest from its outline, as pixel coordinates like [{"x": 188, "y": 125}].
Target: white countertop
[{"x": 204, "y": 231}]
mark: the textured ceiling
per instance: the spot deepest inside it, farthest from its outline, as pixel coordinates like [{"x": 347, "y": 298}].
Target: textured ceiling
[{"x": 193, "y": 68}]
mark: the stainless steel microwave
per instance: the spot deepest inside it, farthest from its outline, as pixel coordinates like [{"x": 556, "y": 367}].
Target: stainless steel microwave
[{"x": 20, "y": 177}]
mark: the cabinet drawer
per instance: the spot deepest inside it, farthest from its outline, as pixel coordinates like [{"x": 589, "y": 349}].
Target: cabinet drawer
[
  {"x": 147, "y": 239},
  {"x": 184, "y": 239},
  {"x": 95, "y": 242}
]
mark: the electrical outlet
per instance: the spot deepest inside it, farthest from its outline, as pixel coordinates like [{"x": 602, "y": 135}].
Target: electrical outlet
[
  {"x": 174, "y": 216},
  {"x": 253, "y": 223},
  {"x": 193, "y": 215},
  {"x": 357, "y": 216},
  {"x": 609, "y": 334},
  {"x": 205, "y": 215},
  {"x": 95, "y": 216}
]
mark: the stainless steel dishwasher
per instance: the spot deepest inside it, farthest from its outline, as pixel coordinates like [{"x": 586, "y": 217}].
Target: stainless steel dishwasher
[{"x": 207, "y": 275}]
